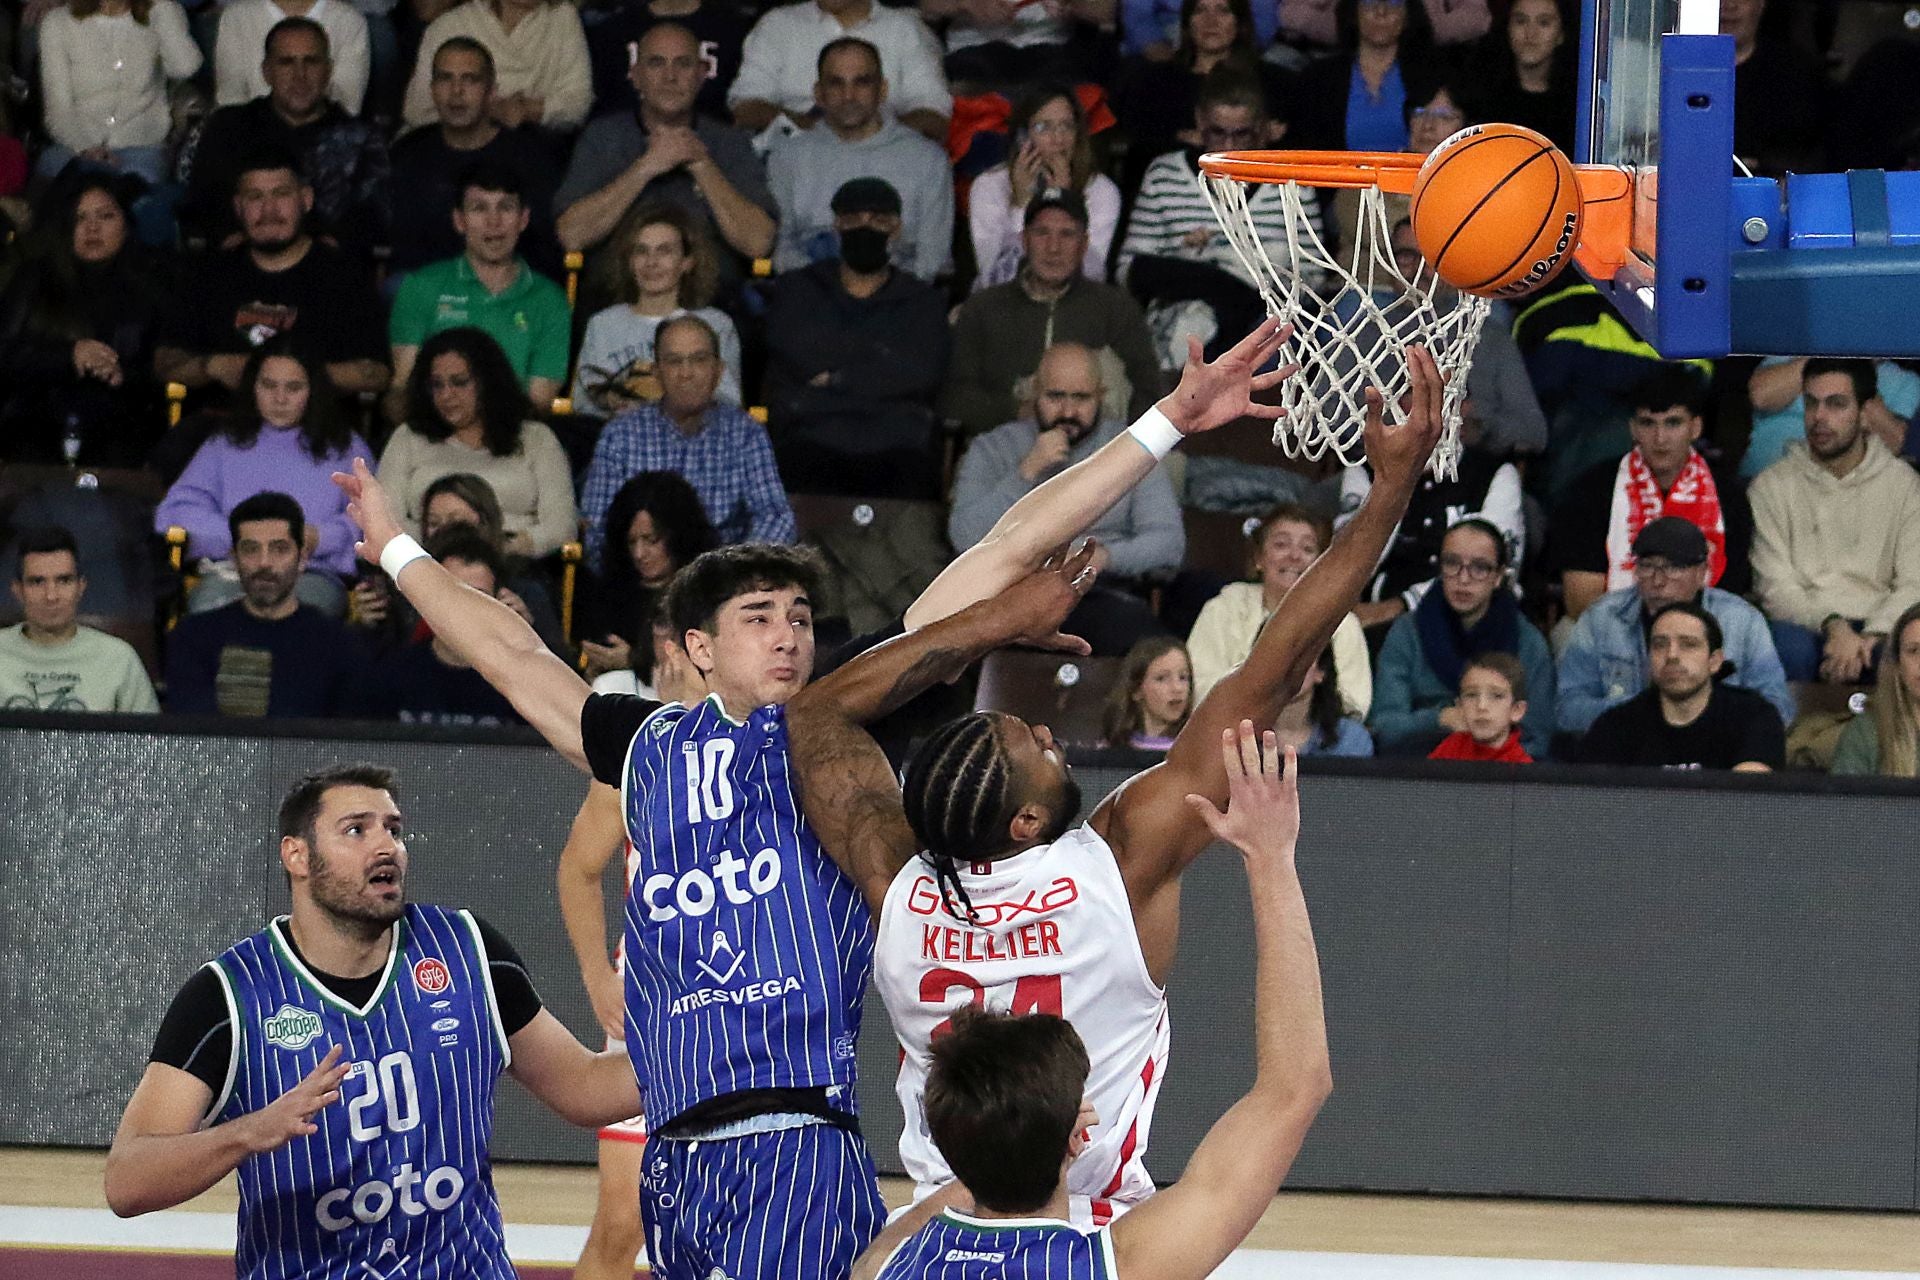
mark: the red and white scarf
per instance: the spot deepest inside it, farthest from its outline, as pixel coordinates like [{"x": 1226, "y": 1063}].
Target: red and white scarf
[{"x": 1637, "y": 499}]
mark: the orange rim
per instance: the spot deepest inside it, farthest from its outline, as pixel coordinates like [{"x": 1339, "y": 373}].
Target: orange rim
[{"x": 1606, "y": 216}]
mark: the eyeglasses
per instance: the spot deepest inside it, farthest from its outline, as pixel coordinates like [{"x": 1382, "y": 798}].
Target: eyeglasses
[
  {"x": 1438, "y": 113},
  {"x": 1467, "y": 570},
  {"x": 1661, "y": 568}
]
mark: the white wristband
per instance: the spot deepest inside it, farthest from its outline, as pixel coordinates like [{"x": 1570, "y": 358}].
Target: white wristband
[
  {"x": 399, "y": 553},
  {"x": 1156, "y": 433}
]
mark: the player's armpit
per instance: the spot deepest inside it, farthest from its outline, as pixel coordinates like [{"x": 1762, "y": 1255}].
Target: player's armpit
[
  {"x": 850, "y": 797},
  {"x": 582, "y": 1087}
]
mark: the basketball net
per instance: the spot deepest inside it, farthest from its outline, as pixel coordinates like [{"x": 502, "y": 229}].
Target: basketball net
[{"x": 1352, "y": 332}]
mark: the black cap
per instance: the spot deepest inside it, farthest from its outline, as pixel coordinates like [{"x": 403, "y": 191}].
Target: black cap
[
  {"x": 866, "y": 195},
  {"x": 1679, "y": 542},
  {"x": 1065, "y": 199}
]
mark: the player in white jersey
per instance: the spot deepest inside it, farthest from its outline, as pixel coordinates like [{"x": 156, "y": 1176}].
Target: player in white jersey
[{"x": 1011, "y": 907}]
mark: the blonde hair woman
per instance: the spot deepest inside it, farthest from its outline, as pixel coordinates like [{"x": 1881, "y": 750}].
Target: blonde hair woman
[{"x": 1886, "y": 740}]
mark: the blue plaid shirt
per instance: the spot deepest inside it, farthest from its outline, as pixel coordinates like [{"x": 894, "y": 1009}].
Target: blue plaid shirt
[{"x": 729, "y": 463}]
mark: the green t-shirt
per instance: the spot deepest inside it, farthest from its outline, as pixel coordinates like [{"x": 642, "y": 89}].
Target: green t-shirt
[
  {"x": 91, "y": 672},
  {"x": 530, "y": 320}
]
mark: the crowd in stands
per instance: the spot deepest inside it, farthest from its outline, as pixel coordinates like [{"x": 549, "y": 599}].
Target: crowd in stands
[{"x": 599, "y": 285}]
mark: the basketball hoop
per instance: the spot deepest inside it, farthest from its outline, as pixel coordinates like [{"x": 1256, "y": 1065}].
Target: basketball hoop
[{"x": 1353, "y": 332}]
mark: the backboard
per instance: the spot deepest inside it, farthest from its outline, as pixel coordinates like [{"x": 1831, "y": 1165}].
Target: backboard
[{"x": 1722, "y": 263}]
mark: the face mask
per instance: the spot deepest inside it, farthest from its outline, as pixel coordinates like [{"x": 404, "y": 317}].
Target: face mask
[{"x": 864, "y": 249}]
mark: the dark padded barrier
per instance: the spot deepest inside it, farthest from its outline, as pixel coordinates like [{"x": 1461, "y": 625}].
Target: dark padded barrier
[{"x": 1548, "y": 982}]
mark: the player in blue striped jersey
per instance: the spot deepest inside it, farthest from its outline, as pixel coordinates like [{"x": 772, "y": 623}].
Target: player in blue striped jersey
[
  {"x": 343, "y": 1061},
  {"x": 1004, "y": 1097},
  {"x": 747, "y": 949}
]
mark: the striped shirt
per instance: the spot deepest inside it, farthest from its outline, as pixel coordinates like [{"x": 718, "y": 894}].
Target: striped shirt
[
  {"x": 958, "y": 1246},
  {"x": 1171, "y": 205},
  {"x": 397, "y": 1181}
]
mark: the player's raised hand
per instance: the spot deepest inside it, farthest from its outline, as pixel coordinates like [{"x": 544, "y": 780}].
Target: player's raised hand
[
  {"x": 371, "y": 510},
  {"x": 1212, "y": 395},
  {"x": 1263, "y": 797},
  {"x": 1083, "y": 1129},
  {"x": 290, "y": 1115},
  {"x": 1035, "y": 607},
  {"x": 1401, "y": 452}
]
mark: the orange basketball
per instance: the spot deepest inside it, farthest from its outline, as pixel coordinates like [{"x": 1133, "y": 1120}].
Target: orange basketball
[{"x": 1496, "y": 210}]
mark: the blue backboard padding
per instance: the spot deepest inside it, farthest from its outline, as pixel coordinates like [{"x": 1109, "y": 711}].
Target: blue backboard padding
[{"x": 1860, "y": 303}]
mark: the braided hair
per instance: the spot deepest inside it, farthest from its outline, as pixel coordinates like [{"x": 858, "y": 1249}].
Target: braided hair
[{"x": 959, "y": 797}]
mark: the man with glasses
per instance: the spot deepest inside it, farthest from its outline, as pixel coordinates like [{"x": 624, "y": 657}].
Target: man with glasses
[
  {"x": 1140, "y": 536},
  {"x": 1175, "y": 258},
  {"x": 1605, "y": 660},
  {"x": 724, "y": 454}
]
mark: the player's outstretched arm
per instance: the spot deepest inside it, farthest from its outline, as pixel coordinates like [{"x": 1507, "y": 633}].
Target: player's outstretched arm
[
  {"x": 161, "y": 1156},
  {"x": 1151, "y": 832},
  {"x": 1190, "y": 1228},
  {"x": 1209, "y": 396},
  {"x": 580, "y": 1086},
  {"x": 847, "y": 786},
  {"x": 599, "y": 832},
  {"x": 546, "y": 692}
]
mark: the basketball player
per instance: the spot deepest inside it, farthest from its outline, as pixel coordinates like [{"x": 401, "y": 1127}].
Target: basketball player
[
  {"x": 747, "y": 950},
  {"x": 1004, "y": 1089},
  {"x": 1011, "y": 906},
  {"x": 343, "y": 1060}
]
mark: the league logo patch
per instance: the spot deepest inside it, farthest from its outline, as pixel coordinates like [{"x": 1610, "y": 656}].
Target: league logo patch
[
  {"x": 291, "y": 1027},
  {"x": 431, "y": 975}
]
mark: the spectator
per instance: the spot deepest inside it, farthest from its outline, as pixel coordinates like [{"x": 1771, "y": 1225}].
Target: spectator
[
  {"x": 1156, "y": 95},
  {"x": 291, "y": 443},
  {"x": 1359, "y": 100},
  {"x": 1141, "y": 535},
  {"x": 1176, "y": 258},
  {"x": 1482, "y": 485},
  {"x": 1280, "y": 547},
  {"x": 667, "y": 267},
  {"x": 856, "y": 352},
  {"x": 860, "y": 141},
  {"x": 1884, "y": 740},
  {"x": 429, "y": 161},
  {"x": 1317, "y": 722},
  {"x": 1779, "y": 413},
  {"x": 1149, "y": 704},
  {"x": 1532, "y": 75},
  {"x": 48, "y": 661},
  {"x": 543, "y": 75},
  {"x": 428, "y": 681},
  {"x": 999, "y": 45},
  {"x": 1687, "y": 718},
  {"x": 1604, "y": 661},
  {"x": 1836, "y": 538},
  {"x": 266, "y": 654},
  {"x": 1001, "y": 332},
  {"x": 1781, "y": 96},
  {"x": 1049, "y": 149},
  {"x": 663, "y": 152},
  {"x": 278, "y": 282},
  {"x": 344, "y": 160},
  {"x": 664, "y": 527},
  {"x": 490, "y": 287},
  {"x": 660, "y": 669},
  {"x": 465, "y": 414},
  {"x": 240, "y": 50},
  {"x": 613, "y": 43},
  {"x": 717, "y": 448},
  {"x": 1492, "y": 703},
  {"x": 1663, "y": 474},
  {"x": 78, "y": 324},
  {"x": 104, "y": 70},
  {"x": 781, "y": 62},
  {"x": 1418, "y": 676}
]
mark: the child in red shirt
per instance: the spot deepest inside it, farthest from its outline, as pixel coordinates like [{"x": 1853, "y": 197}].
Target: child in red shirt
[{"x": 1492, "y": 702}]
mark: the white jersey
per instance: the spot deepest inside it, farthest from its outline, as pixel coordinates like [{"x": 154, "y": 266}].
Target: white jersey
[{"x": 1056, "y": 935}]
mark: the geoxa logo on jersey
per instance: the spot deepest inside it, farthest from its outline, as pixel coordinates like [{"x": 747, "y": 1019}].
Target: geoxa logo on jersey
[
  {"x": 697, "y": 891},
  {"x": 291, "y": 1027},
  {"x": 924, "y": 900},
  {"x": 375, "y": 1200}
]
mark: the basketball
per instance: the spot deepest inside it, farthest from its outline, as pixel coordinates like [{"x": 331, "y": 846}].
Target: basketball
[{"x": 1496, "y": 210}]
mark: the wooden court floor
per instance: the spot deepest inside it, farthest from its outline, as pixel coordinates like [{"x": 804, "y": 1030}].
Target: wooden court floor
[{"x": 1313, "y": 1221}]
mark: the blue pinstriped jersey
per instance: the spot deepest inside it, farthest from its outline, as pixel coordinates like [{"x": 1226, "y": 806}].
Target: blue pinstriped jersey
[
  {"x": 397, "y": 1184},
  {"x": 957, "y": 1246},
  {"x": 747, "y": 949}
]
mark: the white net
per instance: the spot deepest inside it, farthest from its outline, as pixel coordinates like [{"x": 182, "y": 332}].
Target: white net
[{"x": 1352, "y": 322}]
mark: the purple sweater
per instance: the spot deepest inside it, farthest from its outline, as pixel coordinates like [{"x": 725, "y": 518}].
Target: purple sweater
[{"x": 222, "y": 475}]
